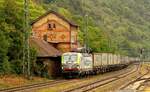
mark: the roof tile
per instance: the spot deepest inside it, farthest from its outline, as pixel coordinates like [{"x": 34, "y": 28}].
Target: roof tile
[{"x": 44, "y": 49}]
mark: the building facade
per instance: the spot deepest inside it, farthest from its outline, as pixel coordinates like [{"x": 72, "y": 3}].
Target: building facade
[
  {"x": 56, "y": 30},
  {"x": 52, "y": 35}
]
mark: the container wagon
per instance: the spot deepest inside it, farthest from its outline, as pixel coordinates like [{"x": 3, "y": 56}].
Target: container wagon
[{"x": 74, "y": 63}]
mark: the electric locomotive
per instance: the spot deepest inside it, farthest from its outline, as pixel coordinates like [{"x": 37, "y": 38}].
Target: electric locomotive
[{"x": 74, "y": 63}]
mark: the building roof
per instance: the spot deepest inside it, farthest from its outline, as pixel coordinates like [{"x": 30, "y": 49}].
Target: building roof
[
  {"x": 57, "y": 14},
  {"x": 44, "y": 49}
]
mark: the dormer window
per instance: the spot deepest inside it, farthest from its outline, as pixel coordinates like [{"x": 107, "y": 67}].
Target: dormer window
[{"x": 49, "y": 26}]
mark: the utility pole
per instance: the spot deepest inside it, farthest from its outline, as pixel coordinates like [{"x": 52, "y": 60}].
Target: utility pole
[
  {"x": 141, "y": 59},
  {"x": 26, "y": 48},
  {"x": 85, "y": 28},
  {"x": 85, "y": 33},
  {"x": 109, "y": 42}
]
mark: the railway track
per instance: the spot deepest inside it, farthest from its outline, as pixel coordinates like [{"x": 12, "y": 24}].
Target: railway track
[
  {"x": 31, "y": 87},
  {"x": 138, "y": 79},
  {"x": 34, "y": 86},
  {"x": 98, "y": 83},
  {"x": 145, "y": 80}
]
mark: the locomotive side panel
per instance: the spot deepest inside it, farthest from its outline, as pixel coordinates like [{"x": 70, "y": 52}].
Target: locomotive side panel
[{"x": 86, "y": 63}]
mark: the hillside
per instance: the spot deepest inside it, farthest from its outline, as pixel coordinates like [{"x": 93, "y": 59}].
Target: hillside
[
  {"x": 117, "y": 26},
  {"x": 125, "y": 23},
  {"x": 113, "y": 25}
]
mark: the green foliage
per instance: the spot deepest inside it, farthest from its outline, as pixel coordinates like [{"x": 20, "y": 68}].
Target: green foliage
[
  {"x": 16, "y": 65},
  {"x": 10, "y": 10},
  {"x": 65, "y": 12},
  {"x": 117, "y": 26},
  {"x": 33, "y": 58},
  {"x": 97, "y": 39},
  {"x": 7, "y": 69},
  {"x": 4, "y": 45},
  {"x": 125, "y": 23},
  {"x": 33, "y": 54},
  {"x": 11, "y": 26}
]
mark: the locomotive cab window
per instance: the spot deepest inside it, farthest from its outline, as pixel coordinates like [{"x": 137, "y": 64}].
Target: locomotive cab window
[{"x": 70, "y": 58}]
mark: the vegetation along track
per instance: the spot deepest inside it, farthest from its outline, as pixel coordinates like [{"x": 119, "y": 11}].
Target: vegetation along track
[
  {"x": 101, "y": 82},
  {"x": 33, "y": 86}
]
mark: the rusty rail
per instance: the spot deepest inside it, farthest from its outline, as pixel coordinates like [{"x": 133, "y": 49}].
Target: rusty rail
[
  {"x": 38, "y": 85},
  {"x": 137, "y": 79},
  {"x": 98, "y": 83}
]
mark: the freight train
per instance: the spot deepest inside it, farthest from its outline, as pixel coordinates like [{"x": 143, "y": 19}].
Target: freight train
[{"x": 80, "y": 64}]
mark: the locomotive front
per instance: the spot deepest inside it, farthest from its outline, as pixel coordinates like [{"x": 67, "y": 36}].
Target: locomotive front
[{"x": 70, "y": 63}]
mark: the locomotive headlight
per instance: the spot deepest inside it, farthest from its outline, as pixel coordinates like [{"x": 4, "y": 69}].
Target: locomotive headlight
[
  {"x": 78, "y": 66},
  {"x": 63, "y": 66}
]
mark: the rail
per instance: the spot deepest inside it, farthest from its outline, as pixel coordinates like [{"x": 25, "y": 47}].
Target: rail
[
  {"x": 135, "y": 80},
  {"x": 38, "y": 85},
  {"x": 98, "y": 83}
]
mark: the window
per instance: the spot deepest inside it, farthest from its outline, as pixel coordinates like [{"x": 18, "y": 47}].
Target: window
[
  {"x": 70, "y": 58},
  {"x": 73, "y": 39},
  {"x": 49, "y": 26},
  {"x": 54, "y": 26}
]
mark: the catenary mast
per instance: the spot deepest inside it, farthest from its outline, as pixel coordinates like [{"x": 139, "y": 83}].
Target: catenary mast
[
  {"x": 85, "y": 28},
  {"x": 26, "y": 48}
]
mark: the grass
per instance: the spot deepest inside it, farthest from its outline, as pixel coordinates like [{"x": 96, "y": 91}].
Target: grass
[{"x": 15, "y": 80}]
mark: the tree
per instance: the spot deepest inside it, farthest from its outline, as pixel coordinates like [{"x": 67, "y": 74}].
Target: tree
[
  {"x": 9, "y": 11},
  {"x": 4, "y": 45},
  {"x": 33, "y": 56},
  {"x": 11, "y": 27}
]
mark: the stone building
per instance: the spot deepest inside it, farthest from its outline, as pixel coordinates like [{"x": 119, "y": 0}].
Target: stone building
[
  {"x": 57, "y": 30},
  {"x": 52, "y": 35}
]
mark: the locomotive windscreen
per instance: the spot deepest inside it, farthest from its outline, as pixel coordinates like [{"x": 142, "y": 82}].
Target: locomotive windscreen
[{"x": 69, "y": 58}]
